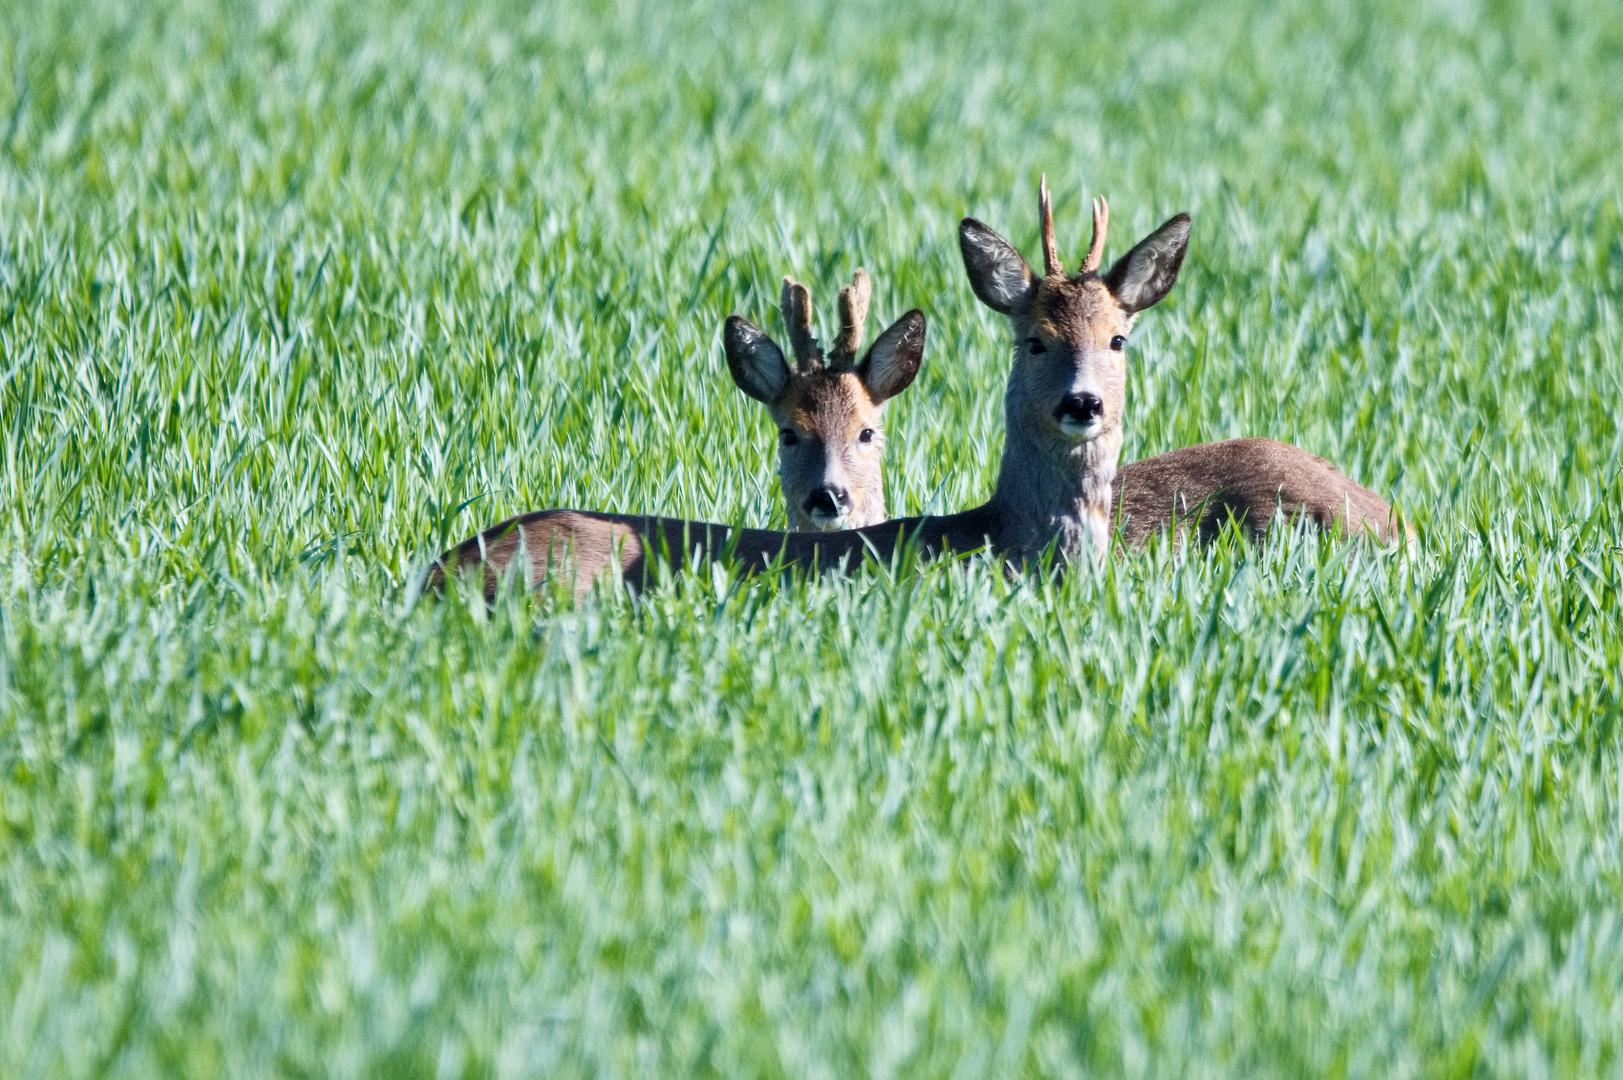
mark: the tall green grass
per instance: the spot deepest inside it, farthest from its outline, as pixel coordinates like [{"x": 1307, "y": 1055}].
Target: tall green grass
[{"x": 291, "y": 296}]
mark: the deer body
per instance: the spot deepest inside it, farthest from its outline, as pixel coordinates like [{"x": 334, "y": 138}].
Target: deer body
[{"x": 1192, "y": 491}]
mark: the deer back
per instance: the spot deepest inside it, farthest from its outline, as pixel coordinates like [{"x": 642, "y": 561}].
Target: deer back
[
  {"x": 582, "y": 547},
  {"x": 1254, "y": 482}
]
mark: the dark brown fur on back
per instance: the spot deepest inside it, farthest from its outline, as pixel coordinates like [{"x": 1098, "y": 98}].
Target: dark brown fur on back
[{"x": 1252, "y": 481}]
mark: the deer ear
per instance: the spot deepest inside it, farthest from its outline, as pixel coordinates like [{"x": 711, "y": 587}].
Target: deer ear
[
  {"x": 1143, "y": 277},
  {"x": 894, "y": 360},
  {"x": 997, "y": 272},
  {"x": 755, "y": 360}
]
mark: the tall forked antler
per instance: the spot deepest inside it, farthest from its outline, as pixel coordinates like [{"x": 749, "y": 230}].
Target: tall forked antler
[
  {"x": 797, "y": 318},
  {"x": 1052, "y": 267},
  {"x": 854, "y": 300},
  {"x": 1101, "y": 225},
  {"x": 1096, "y": 249}
]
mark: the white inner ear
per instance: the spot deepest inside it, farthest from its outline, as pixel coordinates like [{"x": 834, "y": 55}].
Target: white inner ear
[
  {"x": 1139, "y": 273},
  {"x": 1010, "y": 281},
  {"x": 1006, "y": 277}
]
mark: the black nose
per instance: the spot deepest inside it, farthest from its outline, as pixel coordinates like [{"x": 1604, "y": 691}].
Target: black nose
[
  {"x": 828, "y": 501},
  {"x": 1081, "y": 408}
]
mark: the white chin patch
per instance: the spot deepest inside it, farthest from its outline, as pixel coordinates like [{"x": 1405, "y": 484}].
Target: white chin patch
[
  {"x": 827, "y": 523},
  {"x": 1081, "y": 432}
]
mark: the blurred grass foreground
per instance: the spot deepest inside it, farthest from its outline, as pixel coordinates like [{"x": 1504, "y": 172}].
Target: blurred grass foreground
[{"x": 293, "y": 295}]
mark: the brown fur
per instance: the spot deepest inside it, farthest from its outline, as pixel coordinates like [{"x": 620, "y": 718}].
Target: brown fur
[
  {"x": 1053, "y": 492},
  {"x": 1195, "y": 491},
  {"x": 1255, "y": 483}
]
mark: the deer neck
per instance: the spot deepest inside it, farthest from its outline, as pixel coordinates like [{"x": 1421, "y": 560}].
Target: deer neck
[{"x": 1054, "y": 492}]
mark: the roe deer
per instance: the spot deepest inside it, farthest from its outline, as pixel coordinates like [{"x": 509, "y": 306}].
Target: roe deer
[
  {"x": 1063, "y": 433},
  {"x": 829, "y": 410},
  {"x": 831, "y": 446}
]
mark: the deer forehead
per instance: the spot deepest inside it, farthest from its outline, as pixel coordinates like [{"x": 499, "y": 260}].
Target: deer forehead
[
  {"x": 831, "y": 405},
  {"x": 1077, "y": 310}
]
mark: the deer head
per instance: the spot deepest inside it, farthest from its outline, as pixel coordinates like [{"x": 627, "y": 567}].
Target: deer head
[
  {"x": 1067, "y": 387},
  {"x": 828, "y": 408}
]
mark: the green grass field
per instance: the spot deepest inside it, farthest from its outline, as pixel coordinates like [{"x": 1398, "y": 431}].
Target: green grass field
[{"x": 294, "y": 295}]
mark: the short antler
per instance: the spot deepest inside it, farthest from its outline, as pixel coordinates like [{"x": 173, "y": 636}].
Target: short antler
[
  {"x": 1101, "y": 225},
  {"x": 1052, "y": 267},
  {"x": 797, "y": 317},
  {"x": 854, "y": 300}
]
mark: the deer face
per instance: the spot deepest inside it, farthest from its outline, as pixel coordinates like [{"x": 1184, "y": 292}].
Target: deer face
[
  {"x": 1069, "y": 379},
  {"x": 829, "y": 413},
  {"x": 831, "y": 447},
  {"x": 1067, "y": 388}
]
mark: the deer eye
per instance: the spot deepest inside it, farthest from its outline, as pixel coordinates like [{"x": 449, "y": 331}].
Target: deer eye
[
  {"x": 1118, "y": 343},
  {"x": 1035, "y": 346},
  {"x": 787, "y": 438},
  {"x": 867, "y": 435}
]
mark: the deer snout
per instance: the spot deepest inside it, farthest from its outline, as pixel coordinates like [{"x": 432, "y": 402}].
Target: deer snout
[
  {"x": 1080, "y": 414},
  {"x": 828, "y": 502}
]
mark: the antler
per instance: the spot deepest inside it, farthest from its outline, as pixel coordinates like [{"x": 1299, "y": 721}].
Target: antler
[
  {"x": 797, "y": 316},
  {"x": 1101, "y": 225},
  {"x": 853, "y": 315},
  {"x": 1052, "y": 267}
]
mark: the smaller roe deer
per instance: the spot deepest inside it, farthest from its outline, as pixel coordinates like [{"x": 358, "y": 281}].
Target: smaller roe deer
[
  {"x": 829, "y": 411},
  {"x": 832, "y": 445}
]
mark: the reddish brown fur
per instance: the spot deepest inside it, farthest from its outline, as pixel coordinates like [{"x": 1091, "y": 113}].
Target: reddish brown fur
[
  {"x": 1255, "y": 482},
  {"x": 1195, "y": 491}
]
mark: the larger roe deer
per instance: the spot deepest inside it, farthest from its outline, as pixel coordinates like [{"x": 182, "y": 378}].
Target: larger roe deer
[{"x": 831, "y": 445}]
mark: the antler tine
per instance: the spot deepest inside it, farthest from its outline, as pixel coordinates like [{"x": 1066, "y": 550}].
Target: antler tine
[
  {"x": 1052, "y": 267},
  {"x": 854, "y": 299},
  {"x": 797, "y": 317},
  {"x": 1101, "y": 225}
]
